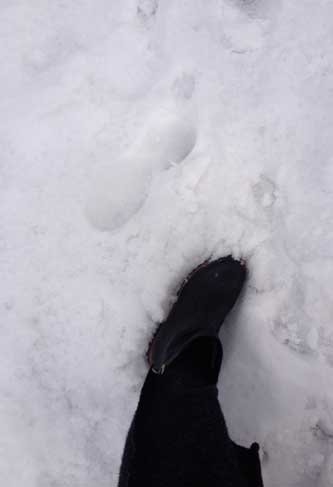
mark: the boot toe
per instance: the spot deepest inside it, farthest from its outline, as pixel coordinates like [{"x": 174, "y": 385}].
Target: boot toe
[{"x": 231, "y": 272}]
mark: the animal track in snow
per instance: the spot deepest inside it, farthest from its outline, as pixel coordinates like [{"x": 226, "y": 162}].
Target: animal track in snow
[
  {"x": 265, "y": 192},
  {"x": 247, "y": 22},
  {"x": 240, "y": 33},
  {"x": 120, "y": 193},
  {"x": 147, "y": 9},
  {"x": 257, "y": 8},
  {"x": 183, "y": 86}
]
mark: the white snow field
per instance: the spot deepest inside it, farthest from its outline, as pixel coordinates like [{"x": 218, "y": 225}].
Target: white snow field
[{"x": 139, "y": 138}]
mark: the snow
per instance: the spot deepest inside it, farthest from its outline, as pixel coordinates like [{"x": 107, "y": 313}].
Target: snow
[{"x": 138, "y": 138}]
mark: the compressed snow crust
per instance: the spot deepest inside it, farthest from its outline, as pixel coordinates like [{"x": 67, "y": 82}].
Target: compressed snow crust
[{"x": 139, "y": 138}]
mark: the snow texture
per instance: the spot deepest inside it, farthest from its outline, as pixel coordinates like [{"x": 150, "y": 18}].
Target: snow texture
[{"x": 138, "y": 138}]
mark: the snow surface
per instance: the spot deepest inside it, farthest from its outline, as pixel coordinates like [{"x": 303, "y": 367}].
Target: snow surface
[{"x": 138, "y": 138}]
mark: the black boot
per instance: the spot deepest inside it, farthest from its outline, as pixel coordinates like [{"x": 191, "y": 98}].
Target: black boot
[
  {"x": 178, "y": 437},
  {"x": 204, "y": 300}
]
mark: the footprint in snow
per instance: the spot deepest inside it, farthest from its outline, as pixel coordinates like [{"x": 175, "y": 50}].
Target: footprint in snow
[{"x": 119, "y": 194}]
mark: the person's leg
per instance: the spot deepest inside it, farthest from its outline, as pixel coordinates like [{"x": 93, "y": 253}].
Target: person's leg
[{"x": 179, "y": 437}]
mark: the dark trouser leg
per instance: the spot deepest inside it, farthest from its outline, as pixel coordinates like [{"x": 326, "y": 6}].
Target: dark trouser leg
[{"x": 178, "y": 437}]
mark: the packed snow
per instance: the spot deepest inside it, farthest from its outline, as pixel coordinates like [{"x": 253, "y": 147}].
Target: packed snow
[{"x": 139, "y": 138}]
